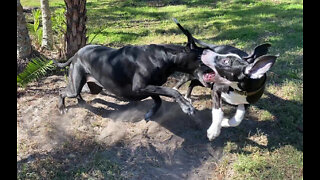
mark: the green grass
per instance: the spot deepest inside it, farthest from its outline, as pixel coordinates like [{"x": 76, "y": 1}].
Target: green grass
[
  {"x": 36, "y": 3},
  {"x": 96, "y": 167},
  {"x": 284, "y": 163},
  {"x": 244, "y": 24}
]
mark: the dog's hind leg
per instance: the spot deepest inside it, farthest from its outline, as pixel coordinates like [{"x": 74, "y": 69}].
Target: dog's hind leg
[
  {"x": 182, "y": 81},
  {"x": 155, "y": 91},
  {"x": 152, "y": 90},
  {"x": 77, "y": 80},
  {"x": 154, "y": 109},
  {"x": 193, "y": 84}
]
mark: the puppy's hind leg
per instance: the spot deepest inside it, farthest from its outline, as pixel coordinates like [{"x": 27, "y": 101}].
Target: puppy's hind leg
[{"x": 154, "y": 109}]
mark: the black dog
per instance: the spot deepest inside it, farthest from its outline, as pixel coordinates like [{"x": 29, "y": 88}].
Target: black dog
[
  {"x": 131, "y": 72},
  {"x": 237, "y": 78}
]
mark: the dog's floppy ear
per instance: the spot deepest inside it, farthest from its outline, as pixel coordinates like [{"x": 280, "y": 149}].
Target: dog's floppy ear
[
  {"x": 257, "y": 52},
  {"x": 260, "y": 66}
]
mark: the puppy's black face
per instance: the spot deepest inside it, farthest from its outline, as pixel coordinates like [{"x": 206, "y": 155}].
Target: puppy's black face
[
  {"x": 226, "y": 68},
  {"x": 230, "y": 69}
]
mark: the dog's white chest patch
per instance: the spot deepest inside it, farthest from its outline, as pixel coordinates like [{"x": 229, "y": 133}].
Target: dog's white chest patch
[{"x": 234, "y": 98}]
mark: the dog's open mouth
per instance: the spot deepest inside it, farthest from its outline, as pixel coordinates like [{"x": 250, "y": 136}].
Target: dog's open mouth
[{"x": 209, "y": 76}]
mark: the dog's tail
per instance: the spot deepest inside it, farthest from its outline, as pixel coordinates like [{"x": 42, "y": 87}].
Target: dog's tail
[
  {"x": 191, "y": 42},
  {"x": 61, "y": 65},
  {"x": 211, "y": 46}
]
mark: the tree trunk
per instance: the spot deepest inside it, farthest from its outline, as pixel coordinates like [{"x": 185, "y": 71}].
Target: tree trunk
[
  {"x": 24, "y": 48},
  {"x": 76, "y": 26},
  {"x": 47, "y": 38}
]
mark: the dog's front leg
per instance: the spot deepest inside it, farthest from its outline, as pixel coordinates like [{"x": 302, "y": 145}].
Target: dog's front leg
[
  {"x": 236, "y": 119},
  {"x": 151, "y": 90},
  {"x": 154, "y": 108},
  {"x": 217, "y": 115}
]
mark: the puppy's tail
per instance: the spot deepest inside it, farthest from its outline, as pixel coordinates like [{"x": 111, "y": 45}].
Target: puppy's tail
[{"x": 61, "y": 65}]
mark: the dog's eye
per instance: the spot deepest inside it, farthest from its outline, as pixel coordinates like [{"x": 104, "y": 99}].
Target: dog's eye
[{"x": 226, "y": 61}]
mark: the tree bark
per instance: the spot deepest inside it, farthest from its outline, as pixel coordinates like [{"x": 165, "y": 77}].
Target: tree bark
[
  {"x": 76, "y": 26},
  {"x": 24, "y": 48},
  {"x": 47, "y": 38}
]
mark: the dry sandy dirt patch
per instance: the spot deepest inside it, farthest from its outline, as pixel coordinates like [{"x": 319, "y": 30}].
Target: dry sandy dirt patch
[{"x": 170, "y": 146}]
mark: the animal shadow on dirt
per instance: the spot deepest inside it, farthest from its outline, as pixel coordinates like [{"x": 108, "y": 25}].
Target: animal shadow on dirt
[
  {"x": 195, "y": 149},
  {"x": 172, "y": 145}
]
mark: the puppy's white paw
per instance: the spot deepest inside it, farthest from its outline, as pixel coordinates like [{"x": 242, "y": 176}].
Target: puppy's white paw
[
  {"x": 225, "y": 122},
  {"x": 236, "y": 119},
  {"x": 233, "y": 122},
  {"x": 213, "y": 132},
  {"x": 214, "y": 129}
]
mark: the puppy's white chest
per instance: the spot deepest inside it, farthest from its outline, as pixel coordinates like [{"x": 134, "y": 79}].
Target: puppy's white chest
[{"x": 234, "y": 98}]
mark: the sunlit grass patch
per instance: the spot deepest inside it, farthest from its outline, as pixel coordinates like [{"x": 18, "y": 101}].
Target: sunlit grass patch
[{"x": 284, "y": 163}]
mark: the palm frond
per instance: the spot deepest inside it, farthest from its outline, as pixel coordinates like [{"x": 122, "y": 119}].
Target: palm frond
[{"x": 34, "y": 70}]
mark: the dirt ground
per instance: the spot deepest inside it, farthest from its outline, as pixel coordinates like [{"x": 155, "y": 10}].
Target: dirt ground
[{"x": 170, "y": 146}]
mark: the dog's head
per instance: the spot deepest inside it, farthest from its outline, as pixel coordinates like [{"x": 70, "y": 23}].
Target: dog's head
[{"x": 231, "y": 69}]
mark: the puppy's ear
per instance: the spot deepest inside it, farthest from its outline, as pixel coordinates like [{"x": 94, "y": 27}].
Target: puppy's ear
[
  {"x": 260, "y": 66},
  {"x": 257, "y": 52}
]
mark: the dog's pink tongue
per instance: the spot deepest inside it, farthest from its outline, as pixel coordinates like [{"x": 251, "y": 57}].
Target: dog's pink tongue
[{"x": 209, "y": 77}]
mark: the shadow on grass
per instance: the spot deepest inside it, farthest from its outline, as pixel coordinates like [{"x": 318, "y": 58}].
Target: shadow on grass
[
  {"x": 285, "y": 128},
  {"x": 154, "y": 3}
]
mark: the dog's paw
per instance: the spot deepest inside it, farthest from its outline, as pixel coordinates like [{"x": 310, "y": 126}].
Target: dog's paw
[
  {"x": 188, "y": 99},
  {"x": 225, "y": 122},
  {"x": 190, "y": 110},
  {"x": 63, "y": 111},
  {"x": 148, "y": 115},
  {"x": 186, "y": 106},
  {"x": 213, "y": 132},
  {"x": 233, "y": 122}
]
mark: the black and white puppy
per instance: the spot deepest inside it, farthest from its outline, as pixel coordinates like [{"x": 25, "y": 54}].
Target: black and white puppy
[
  {"x": 196, "y": 78},
  {"x": 237, "y": 80}
]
